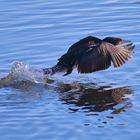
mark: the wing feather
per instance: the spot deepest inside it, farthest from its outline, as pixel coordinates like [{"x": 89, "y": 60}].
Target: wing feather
[
  {"x": 119, "y": 55},
  {"x": 101, "y": 56}
]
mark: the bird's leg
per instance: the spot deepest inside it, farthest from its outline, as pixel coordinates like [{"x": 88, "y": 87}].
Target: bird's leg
[{"x": 69, "y": 70}]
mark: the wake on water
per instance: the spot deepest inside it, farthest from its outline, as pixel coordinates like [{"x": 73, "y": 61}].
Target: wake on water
[
  {"x": 23, "y": 72},
  {"x": 23, "y": 76}
]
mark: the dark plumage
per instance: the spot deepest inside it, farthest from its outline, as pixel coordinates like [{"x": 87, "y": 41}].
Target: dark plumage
[{"x": 93, "y": 54}]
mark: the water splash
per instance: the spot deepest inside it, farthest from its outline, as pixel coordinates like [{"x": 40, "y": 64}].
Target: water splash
[{"x": 23, "y": 72}]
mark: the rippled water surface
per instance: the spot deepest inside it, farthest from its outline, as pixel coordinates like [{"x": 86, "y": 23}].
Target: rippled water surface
[{"x": 101, "y": 105}]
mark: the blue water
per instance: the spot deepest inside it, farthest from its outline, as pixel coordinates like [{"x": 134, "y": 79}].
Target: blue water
[{"x": 103, "y": 105}]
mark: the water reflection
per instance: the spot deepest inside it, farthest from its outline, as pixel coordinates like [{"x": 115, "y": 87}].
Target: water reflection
[
  {"x": 95, "y": 99},
  {"x": 78, "y": 96}
]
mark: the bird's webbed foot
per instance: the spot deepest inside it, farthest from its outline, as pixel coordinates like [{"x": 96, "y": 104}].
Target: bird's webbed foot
[{"x": 69, "y": 70}]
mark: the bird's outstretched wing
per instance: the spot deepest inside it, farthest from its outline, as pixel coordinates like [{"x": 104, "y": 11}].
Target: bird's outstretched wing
[
  {"x": 100, "y": 57},
  {"x": 83, "y": 43},
  {"x": 69, "y": 59}
]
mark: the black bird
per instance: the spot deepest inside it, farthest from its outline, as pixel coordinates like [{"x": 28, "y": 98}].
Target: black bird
[{"x": 92, "y": 54}]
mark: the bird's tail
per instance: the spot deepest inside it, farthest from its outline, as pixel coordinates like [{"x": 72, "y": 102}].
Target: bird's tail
[{"x": 55, "y": 69}]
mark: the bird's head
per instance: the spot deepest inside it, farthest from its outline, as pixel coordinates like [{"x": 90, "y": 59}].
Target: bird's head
[
  {"x": 120, "y": 42},
  {"x": 116, "y": 41}
]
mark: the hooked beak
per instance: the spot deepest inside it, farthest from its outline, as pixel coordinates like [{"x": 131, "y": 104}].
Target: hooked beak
[{"x": 127, "y": 43}]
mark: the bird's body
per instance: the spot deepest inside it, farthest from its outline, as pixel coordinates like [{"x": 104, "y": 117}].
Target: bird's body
[
  {"x": 93, "y": 54},
  {"x": 88, "y": 55}
]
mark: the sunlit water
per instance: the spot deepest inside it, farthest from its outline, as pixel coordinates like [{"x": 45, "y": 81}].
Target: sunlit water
[{"x": 101, "y": 105}]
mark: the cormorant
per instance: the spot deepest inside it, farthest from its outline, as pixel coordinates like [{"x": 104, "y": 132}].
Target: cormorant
[{"x": 92, "y": 54}]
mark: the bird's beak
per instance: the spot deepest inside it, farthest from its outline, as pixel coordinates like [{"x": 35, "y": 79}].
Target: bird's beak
[{"x": 127, "y": 43}]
